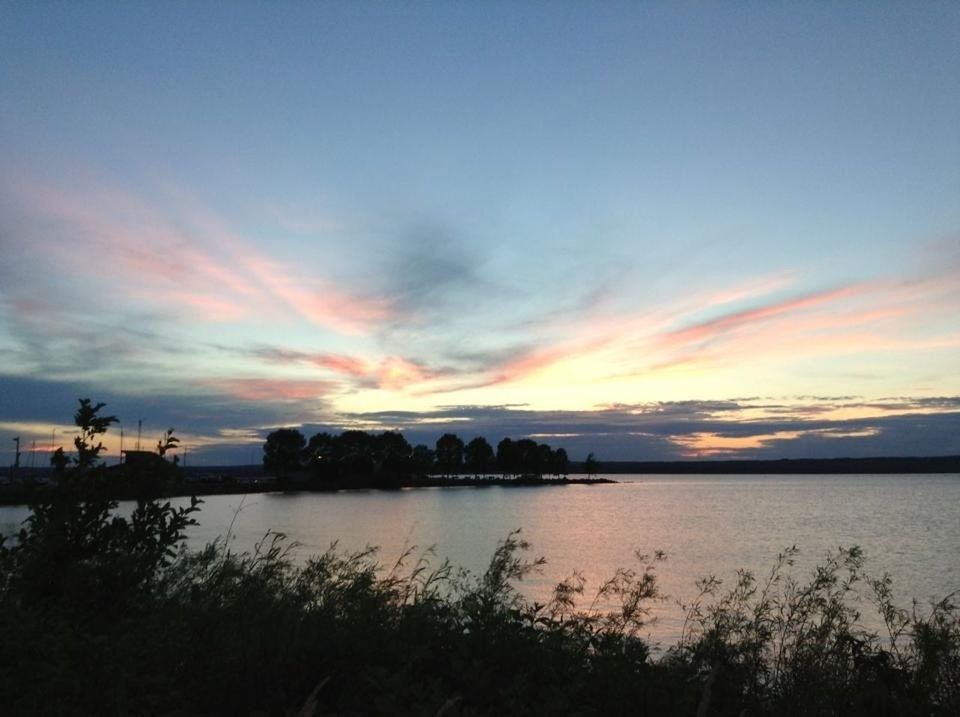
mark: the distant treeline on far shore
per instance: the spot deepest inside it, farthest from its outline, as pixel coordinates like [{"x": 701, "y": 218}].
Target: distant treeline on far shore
[{"x": 354, "y": 453}]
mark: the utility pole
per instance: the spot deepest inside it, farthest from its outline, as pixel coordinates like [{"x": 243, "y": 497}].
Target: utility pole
[
  {"x": 121, "y": 443},
  {"x": 139, "y": 427},
  {"x": 16, "y": 455}
]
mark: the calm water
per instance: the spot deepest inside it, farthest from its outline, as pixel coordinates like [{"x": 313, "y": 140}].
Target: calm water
[{"x": 908, "y": 525}]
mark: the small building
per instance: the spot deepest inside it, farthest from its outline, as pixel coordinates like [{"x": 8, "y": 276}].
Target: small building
[{"x": 142, "y": 459}]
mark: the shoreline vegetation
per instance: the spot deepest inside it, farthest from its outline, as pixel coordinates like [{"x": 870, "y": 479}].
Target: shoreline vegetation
[
  {"x": 352, "y": 459},
  {"x": 112, "y": 615}
]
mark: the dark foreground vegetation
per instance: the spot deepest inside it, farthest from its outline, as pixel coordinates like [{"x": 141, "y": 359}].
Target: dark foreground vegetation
[{"x": 109, "y": 615}]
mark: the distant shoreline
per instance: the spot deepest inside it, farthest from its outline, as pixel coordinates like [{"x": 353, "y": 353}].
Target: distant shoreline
[
  {"x": 21, "y": 494},
  {"x": 813, "y": 466},
  {"x": 231, "y": 480}
]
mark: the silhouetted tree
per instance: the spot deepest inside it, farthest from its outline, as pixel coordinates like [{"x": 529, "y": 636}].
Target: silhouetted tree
[
  {"x": 59, "y": 461},
  {"x": 544, "y": 459},
  {"x": 394, "y": 452},
  {"x": 92, "y": 426},
  {"x": 321, "y": 456},
  {"x": 561, "y": 463},
  {"x": 528, "y": 456},
  {"x": 167, "y": 443},
  {"x": 508, "y": 457},
  {"x": 591, "y": 466},
  {"x": 321, "y": 447},
  {"x": 357, "y": 454},
  {"x": 449, "y": 454},
  {"x": 423, "y": 459},
  {"x": 478, "y": 456},
  {"x": 282, "y": 451},
  {"x": 75, "y": 549}
]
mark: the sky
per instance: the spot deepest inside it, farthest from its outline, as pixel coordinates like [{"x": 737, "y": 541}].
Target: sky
[{"x": 647, "y": 230}]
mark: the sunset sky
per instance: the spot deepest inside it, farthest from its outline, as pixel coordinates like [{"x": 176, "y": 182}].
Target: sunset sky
[{"x": 649, "y": 230}]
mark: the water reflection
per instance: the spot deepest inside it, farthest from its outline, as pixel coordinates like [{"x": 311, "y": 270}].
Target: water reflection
[{"x": 908, "y": 525}]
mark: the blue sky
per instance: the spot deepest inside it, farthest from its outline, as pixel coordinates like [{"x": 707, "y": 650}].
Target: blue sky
[{"x": 421, "y": 216}]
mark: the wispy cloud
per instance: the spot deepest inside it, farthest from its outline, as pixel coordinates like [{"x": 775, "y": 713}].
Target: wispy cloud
[
  {"x": 857, "y": 317},
  {"x": 689, "y": 429},
  {"x": 268, "y": 390},
  {"x": 193, "y": 264},
  {"x": 388, "y": 372},
  {"x": 868, "y": 316},
  {"x": 749, "y": 318}
]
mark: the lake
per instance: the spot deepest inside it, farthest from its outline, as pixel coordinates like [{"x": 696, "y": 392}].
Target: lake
[{"x": 908, "y": 525}]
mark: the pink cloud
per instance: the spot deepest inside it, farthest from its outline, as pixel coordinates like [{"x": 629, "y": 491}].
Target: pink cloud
[
  {"x": 349, "y": 365},
  {"x": 619, "y": 331},
  {"x": 834, "y": 321},
  {"x": 748, "y": 289},
  {"x": 203, "y": 267},
  {"x": 391, "y": 372},
  {"x": 268, "y": 390},
  {"x": 867, "y": 316},
  {"x": 395, "y": 373},
  {"x": 314, "y": 300},
  {"x": 733, "y": 321},
  {"x": 207, "y": 307}
]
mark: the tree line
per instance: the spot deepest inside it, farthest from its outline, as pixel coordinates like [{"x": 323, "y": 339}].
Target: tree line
[{"x": 358, "y": 453}]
